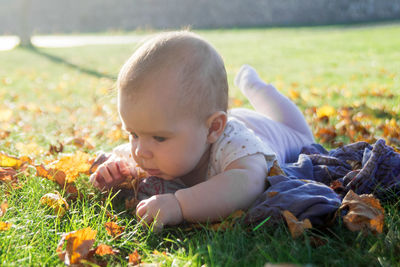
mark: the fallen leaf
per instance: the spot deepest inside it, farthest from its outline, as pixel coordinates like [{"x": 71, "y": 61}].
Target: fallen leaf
[
  {"x": 134, "y": 258},
  {"x": 4, "y": 226},
  {"x": 276, "y": 170},
  {"x": 365, "y": 212},
  {"x": 78, "y": 247},
  {"x": 114, "y": 229},
  {"x": 56, "y": 202},
  {"x": 51, "y": 174},
  {"x": 30, "y": 149},
  {"x": 7, "y": 174},
  {"x": 295, "y": 226},
  {"x": 325, "y": 111},
  {"x": 72, "y": 165},
  {"x": 3, "y": 208},
  {"x": 10, "y": 161},
  {"x": 104, "y": 249}
]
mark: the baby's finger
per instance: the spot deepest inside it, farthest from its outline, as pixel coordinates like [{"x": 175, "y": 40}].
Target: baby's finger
[
  {"x": 114, "y": 172},
  {"x": 123, "y": 167},
  {"x": 104, "y": 172}
]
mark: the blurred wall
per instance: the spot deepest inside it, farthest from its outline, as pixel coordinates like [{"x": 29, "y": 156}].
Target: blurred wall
[{"x": 62, "y": 16}]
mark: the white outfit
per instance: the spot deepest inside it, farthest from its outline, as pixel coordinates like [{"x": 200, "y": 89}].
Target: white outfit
[{"x": 247, "y": 133}]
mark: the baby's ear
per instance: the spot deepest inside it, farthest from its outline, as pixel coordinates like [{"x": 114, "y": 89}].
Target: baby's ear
[{"x": 216, "y": 125}]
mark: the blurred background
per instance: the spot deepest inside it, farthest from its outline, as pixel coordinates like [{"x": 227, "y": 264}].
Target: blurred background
[{"x": 27, "y": 18}]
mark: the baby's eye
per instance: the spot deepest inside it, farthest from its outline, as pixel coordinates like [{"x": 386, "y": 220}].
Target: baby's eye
[{"x": 159, "y": 138}]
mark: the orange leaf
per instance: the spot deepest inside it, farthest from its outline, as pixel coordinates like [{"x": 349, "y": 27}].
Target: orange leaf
[
  {"x": 134, "y": 258},
  {"x": 3, "y": 208},
  {"x": 365, "y": 212},
  {"x": 104, "y": 249},
  {"x": 113, "y": 229},
  {"x": 4, "y": 226},
  {"x": 51, "y": 174},
  {"x": 78, "y": 245},
  {"x": 295, "y": 226}
]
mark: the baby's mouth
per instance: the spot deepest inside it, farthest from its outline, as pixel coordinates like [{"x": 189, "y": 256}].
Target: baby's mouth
[{"x": 153, "y": 172}]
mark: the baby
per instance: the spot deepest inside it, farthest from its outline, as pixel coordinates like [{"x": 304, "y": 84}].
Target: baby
[{"x": 172, "y": 100}]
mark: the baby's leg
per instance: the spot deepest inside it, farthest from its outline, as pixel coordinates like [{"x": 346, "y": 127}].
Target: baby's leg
[{"x": 269, "y": 102}]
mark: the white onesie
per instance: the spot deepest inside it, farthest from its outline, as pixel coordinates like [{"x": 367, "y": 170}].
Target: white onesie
[{"x": 247, "y": 133}]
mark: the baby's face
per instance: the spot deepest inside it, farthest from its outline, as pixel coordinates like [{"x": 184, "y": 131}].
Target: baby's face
[{"x": 165, "y": 141}]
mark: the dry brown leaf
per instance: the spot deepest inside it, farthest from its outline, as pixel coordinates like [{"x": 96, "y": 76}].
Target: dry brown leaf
[
  {"x": 113, "y": 229},
  {"x": 7, "y": 174},
  {"x": 275, "y": 169},
  {"x": 57, "y": 176},
  {"x": 104, "y": 249},
  {"x": 134, "y": 258},
  {"x": 295, "y": 226},
  {"x": 4, "y": 226},
  {"x": 78, "y": 247},
  {"x": 365, "y": 212},
  {"x": 56, "y": 202}
]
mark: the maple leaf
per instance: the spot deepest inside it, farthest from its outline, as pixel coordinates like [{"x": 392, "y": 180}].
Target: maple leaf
[
  {"x": 78, "y": 247},
  {"x": 72, "y": 165},
  {"x": 365, "y": 212},
  {"x": 295, "y": 226},
  {"x": 114, "y": 229},
  {"x": 56, "y": 202}
]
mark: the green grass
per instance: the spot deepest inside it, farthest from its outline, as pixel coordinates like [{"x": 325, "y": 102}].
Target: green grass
[{"x": 59, "y": 93}]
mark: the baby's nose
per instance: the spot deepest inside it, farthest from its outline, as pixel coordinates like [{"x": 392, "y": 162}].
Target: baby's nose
[{"x": 142, "y": 151}]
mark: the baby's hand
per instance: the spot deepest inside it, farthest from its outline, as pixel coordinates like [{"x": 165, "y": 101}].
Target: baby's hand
[
  {"x": 163, "y": 209},
  {"x": 111, "y": 173}
]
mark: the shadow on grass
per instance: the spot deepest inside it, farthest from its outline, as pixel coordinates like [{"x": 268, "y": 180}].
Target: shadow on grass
[{"x": 60, "y": 60}]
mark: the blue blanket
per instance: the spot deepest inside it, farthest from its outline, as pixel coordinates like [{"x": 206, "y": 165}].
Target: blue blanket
[{"x": 318, "y": 181}]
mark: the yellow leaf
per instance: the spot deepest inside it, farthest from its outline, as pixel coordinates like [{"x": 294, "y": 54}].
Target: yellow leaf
[
  {"x": 10, "y": 161},
  {"x": 4, "y": 226},
  {"x": 56, "y": 202},
  {"x": 325, "y": 111},
  {"x": 72, "y": 165}
]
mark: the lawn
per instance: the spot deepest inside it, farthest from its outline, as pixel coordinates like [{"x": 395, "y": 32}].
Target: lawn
[{"x": 49, "y": 96}]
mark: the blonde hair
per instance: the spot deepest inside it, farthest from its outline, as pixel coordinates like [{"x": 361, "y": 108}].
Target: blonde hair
[{"x": 201, "y": 70}]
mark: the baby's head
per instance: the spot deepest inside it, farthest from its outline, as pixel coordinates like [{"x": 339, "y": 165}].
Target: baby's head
[
  {"x": 172, "y": 98},
  {"x": 193, "y": 63}
]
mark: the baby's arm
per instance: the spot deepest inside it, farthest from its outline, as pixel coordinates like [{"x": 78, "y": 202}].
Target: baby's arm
[{"x": 236, "y": 188}]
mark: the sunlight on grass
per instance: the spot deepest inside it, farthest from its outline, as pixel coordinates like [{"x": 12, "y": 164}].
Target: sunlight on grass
[{"x": 53, "y": 96}]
